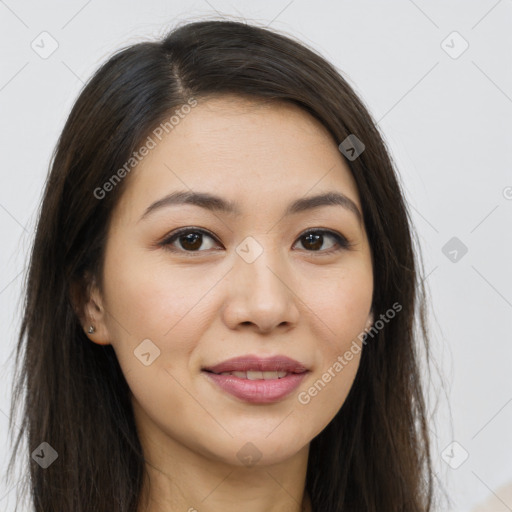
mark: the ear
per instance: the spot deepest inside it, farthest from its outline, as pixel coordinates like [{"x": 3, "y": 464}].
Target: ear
[{"x": 89, "y": 307}]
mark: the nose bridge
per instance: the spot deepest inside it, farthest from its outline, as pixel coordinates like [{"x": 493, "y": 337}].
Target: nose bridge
[
  {"x": 261, "y": 293},
  {"x": 260, "y": 259}
]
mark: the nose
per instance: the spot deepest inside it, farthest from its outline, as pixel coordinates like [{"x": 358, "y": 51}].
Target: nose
[{"x": 260, "y": 294}]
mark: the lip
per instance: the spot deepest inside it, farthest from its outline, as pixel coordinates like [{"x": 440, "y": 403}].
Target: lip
[
  {"x": 257, "y": 391},
  {"x": 278, "y": 363},
  {"x": 260, "y": 390}
]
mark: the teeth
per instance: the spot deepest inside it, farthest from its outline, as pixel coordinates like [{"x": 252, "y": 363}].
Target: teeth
[
  {"x": 274, "y": 375},
  {"x": 256, "y": 375}
]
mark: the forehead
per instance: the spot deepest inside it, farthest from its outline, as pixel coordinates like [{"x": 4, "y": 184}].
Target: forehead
[{"x": 248, "y": 151}]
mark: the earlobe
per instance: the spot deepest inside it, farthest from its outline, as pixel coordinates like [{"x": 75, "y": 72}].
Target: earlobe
[
  {"x": 89, "y": 308},
  {"x": 96, "y": 328}
]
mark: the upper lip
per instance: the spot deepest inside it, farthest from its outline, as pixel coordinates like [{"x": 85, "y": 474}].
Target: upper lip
[{"x": 263, "y": 364}]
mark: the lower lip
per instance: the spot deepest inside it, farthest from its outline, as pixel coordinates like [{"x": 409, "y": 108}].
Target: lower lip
[{"x": 257, "y": 391}]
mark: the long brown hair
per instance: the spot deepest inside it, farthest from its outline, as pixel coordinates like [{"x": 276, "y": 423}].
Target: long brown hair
[{"x": 374, "y": 455}]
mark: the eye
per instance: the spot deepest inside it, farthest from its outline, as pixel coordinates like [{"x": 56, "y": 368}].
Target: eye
[
  {"x": 190, "y": 240},
  {"x": 315, "y": 238}
]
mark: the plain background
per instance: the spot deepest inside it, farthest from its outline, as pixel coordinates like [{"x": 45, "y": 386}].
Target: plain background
[{"x": 445, "y": 115}]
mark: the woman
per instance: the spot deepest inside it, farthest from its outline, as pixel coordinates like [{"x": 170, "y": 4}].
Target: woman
[{"x": 222, "y": 291}]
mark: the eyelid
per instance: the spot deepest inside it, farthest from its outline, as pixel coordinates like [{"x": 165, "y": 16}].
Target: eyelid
[{"x": 341, "y": 241}]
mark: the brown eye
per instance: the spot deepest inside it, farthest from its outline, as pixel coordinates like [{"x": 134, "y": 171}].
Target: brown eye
[
  {"x": 189, "y": 239},
  {"x": 314, "y": 240},
  {"x": 191, "y": 242}
]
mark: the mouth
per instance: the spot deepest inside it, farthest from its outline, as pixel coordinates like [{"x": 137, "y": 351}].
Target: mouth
[
  {"x": 257, "y": 380},
  {"x": 253, "y": 367},
  {"x": 256, "y": 375}
]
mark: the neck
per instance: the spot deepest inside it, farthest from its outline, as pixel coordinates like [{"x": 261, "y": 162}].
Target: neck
[{"x": 179, "y": 479}]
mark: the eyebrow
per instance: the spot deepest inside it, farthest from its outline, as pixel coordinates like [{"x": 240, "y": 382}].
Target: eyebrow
[{"x": 215, "y": 203}]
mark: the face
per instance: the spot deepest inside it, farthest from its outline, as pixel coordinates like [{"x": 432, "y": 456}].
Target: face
[{"x": 258, "y": 281}]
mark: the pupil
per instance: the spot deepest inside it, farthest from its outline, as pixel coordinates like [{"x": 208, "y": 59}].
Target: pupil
[
  {"x": 315, "y": 242},
  {"x": 190, "y": 239}
]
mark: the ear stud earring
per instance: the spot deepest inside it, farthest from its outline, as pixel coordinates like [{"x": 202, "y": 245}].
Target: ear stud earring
[{"x": 91, "y": 329}]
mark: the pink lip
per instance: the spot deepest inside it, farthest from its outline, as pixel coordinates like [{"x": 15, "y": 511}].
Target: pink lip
[
  {"x": 255, "y": 363},
  {"x": 258, "y": 391}
]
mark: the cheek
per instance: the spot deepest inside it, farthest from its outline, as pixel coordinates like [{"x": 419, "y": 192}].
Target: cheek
[
  {"x": 155, "y": 309},
  {"x": 171, "y": 307},
  {"x": 341, "y": 311},
  {"x": 152, "y": 298},
  {"x": 342, "y": 305}
]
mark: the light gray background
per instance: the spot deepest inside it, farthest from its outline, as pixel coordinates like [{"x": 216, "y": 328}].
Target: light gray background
[{"x": 448, "y": 125}]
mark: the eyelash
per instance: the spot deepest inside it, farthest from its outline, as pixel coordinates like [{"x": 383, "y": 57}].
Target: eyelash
[{"x": 341, "y": 241}]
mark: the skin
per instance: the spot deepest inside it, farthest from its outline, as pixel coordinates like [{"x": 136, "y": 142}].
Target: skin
[{"x": 205, "y": 306}]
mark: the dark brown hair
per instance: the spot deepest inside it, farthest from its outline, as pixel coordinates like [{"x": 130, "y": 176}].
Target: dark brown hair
[{"x": 374, "y": 456}]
